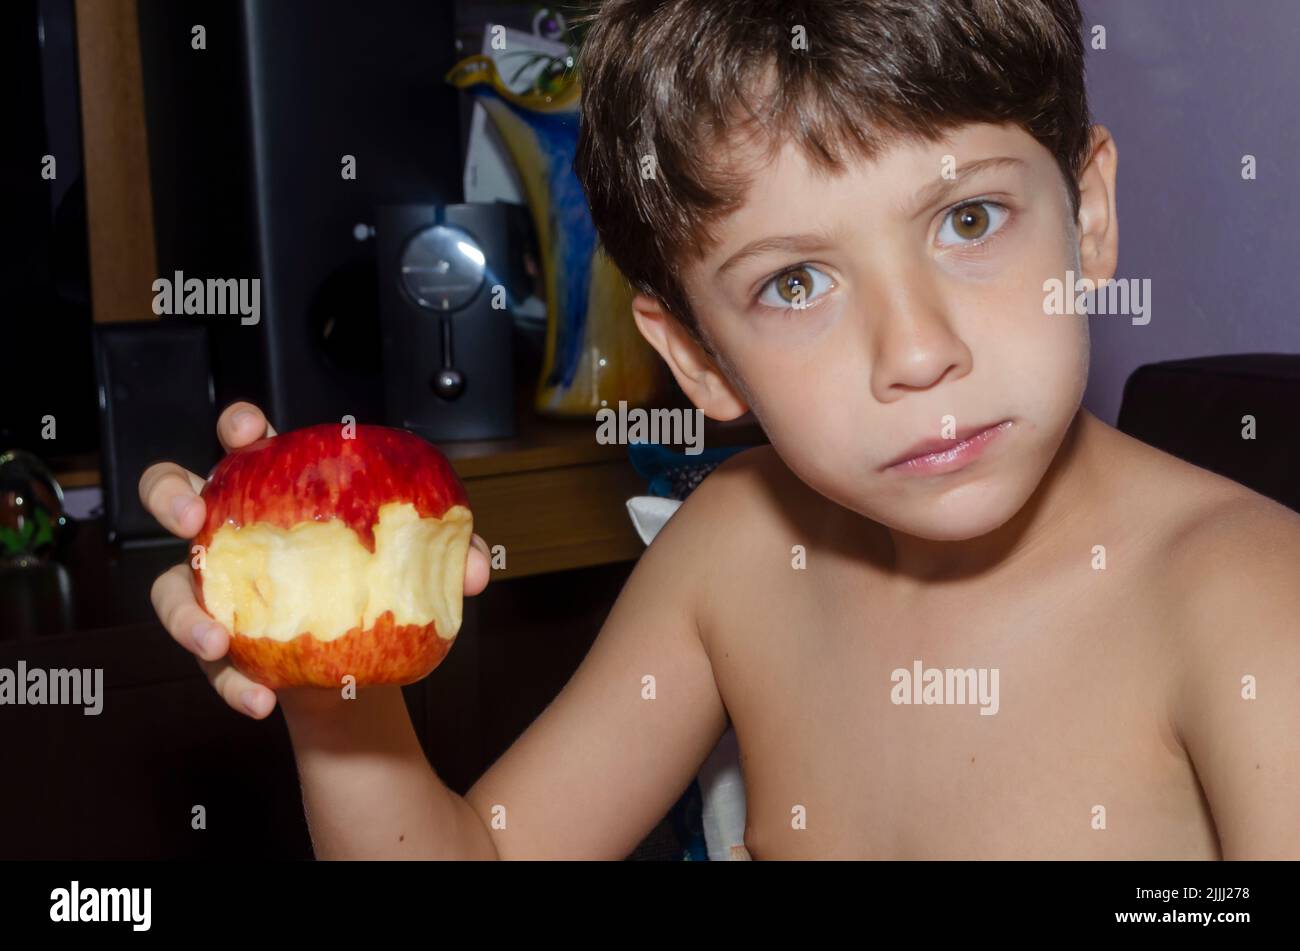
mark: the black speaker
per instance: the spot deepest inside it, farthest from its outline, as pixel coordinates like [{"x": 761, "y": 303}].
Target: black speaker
[
  {"x": 155, "y": 403},
  {"x": 329, "y": 80},
  {"x": 446, "y": 273},
  {"x": 272, "y": 148}
]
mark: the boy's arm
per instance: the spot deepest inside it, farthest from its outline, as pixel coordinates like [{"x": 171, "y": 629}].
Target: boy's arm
[
  {"x": 367, "y": 789},
  {"x": 609, "y": 756},
  {"x": 588, "y": 779},
  {"x": 1242, "y": 621}
]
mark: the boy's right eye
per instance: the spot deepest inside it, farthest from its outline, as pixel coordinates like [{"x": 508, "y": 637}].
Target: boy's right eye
[{"x": 795, "y": 288}]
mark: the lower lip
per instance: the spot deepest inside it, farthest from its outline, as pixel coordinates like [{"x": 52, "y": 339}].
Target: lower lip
[{"x": 959, "y": 456}]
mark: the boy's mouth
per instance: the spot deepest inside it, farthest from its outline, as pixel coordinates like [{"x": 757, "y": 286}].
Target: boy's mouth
[{"x": 939, "y": 456}]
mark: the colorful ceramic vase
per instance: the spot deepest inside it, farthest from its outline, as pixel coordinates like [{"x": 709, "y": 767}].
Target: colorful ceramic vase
[{"x": 594, "y": 355}]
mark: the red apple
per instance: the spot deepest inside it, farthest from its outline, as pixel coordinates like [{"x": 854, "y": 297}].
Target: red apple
[{"x": 335, "y": 550}]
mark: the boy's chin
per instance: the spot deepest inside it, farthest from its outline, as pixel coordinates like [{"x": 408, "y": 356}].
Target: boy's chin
[
  {"x": 949, "y": 530},
  {"x": 958, "y": 516}
]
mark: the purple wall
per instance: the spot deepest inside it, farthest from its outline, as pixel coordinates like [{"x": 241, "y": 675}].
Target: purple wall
[{"x": 1188, "y": 87}]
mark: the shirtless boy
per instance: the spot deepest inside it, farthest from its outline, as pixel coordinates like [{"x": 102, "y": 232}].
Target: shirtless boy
[{"x": 841, "y": 214}]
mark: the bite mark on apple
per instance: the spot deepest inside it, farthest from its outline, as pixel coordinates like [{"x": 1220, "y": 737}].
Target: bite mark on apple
[{"x": 263, "y": 581}]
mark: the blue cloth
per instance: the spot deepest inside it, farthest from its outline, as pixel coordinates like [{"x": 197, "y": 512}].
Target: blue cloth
[{"x": 674, "y": 475}]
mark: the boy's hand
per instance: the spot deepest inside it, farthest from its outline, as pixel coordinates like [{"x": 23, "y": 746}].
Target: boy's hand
[{"x": 170, "y": 493}]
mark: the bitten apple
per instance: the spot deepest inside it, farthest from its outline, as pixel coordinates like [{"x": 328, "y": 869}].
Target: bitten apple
[{"x": 335, "y": 550}]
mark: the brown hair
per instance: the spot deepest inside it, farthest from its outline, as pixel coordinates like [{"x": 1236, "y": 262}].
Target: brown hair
[{"x": 670, "y": 78}]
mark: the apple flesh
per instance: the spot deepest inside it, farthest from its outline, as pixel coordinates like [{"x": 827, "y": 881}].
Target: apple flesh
[{"x": 332, "y": 551}]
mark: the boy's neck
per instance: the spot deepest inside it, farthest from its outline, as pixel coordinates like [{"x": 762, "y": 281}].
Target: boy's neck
[{"x": 1067, "y": 490}]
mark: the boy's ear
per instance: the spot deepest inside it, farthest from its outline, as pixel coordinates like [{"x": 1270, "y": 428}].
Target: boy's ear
[
  {"x": 1098, "y": 226},
  {"x": 697, "y": 375}
]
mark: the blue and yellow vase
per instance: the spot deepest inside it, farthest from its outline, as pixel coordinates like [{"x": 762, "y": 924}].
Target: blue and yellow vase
[{"x": 594, "y": 355}]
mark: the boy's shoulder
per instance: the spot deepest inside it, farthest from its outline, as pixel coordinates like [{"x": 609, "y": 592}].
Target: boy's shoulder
[
  {"x": 753, "y": 490},
  {"x": 1240, "y": 559},
  {"x": 750, "y": 499},
  {"x": 1229, "y": 559},
  {"x": 730, "y": 497},
  {"x": 1219, "y": 531},
  {"x": 1228, "y": 564}
]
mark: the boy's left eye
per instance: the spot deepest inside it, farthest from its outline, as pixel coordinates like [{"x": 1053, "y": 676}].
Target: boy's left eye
[{"x": 971, "y": 223}]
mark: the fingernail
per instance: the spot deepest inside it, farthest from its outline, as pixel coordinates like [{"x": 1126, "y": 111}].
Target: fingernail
[
  {"x": 205, "y": 636},
  {"x": 238, "y": 419},
  {"x": 180, "y": 505},
  {"x": 252, "y": 701}
]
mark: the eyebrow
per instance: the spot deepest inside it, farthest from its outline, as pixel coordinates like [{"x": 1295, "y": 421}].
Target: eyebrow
[
  {"x": 928, "y": 196},
  {"x": 937, "y": 192}
]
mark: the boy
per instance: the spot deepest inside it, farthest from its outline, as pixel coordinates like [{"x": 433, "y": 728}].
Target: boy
[{"x": 841, "y": 214}]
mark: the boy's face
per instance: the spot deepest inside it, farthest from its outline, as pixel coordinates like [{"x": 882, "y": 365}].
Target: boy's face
[{"x": 923, "y": 317}]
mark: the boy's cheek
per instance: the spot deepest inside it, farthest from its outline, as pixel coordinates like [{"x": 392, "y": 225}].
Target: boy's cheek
[{"x": 1059, "y": 351}]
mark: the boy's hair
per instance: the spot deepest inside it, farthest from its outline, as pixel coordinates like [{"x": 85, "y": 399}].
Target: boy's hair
[{"x": 673, "y": 82}]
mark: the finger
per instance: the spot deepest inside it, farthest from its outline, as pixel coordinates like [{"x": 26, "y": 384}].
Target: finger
[
  {"x": 173, "y": 600},
  {"x": 478, "y": 566},
  {"x": 170, "y": 494},
  {"x": 240, "y": 424},
  {"x": 188, "y": 624},
  {"x": 246, "y": 696}
]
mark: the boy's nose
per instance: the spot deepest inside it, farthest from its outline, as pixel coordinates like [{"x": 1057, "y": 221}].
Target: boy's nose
[{"x": 915, "y": 348}]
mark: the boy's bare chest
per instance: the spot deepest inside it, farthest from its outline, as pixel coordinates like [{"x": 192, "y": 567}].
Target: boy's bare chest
[{"x": 1034, "y": 726}]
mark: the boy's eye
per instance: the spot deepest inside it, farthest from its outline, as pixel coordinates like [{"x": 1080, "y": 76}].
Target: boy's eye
[
  {"x": 972, "y": 222},
  {"x": 795, "y": 288}
]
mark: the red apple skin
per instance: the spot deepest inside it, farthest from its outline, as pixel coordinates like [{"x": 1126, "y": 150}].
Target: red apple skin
[
  {"x": 315, "y": 474},
  {"x": 384, "y": 654}
]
